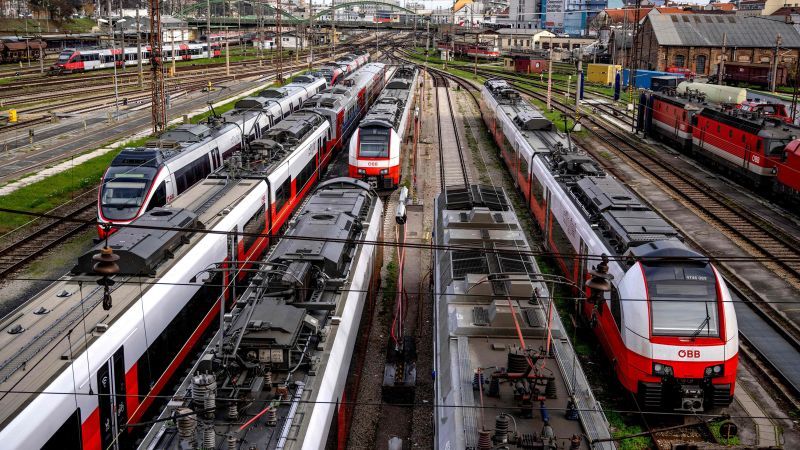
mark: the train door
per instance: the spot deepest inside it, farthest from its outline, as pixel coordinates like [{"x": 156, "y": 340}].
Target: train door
[
  {"x": 112, "y": 401},
  {"x": 215, "y": 159}
]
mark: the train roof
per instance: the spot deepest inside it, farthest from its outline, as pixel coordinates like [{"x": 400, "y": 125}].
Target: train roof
[
  {"x": 282, "y": 330},
  {"x": 263, "y": 98},
  {"x": 278, "y": 143},
  {"x": 334, "y": 97},
  {"x": 753, "y": 122},
  {"x": 388, "y": 108},
  {"x": 619, "y": 217},
  {"x": 32, "y": 359},
  {"x": 490, "y": 297},
  {"x": 167, "y": 145},
  {"x": 525, "y": 115}
]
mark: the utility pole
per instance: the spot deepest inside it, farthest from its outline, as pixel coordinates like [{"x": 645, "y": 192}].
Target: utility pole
[
  {"x": 452, "y": 32},
  {"x": 113, "y": 58},
  {"x": 578, "y": 83},
  {"x": 158, "y": 97},
  {"x": 333, "y": 27},
  {"x": 311, "y": 29},
  {"x": 721, "y": 71},
  {"x": 139, "y": 47},
  {"x": 279, "y": 38},
  {"x": 774, "y": 78},
  {"x": 208, "y": 28},
  {"x": 550, "y": 77}
]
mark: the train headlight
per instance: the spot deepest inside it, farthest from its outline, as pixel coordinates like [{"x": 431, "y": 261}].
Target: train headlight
[
  {"x": 362, "y": 171},
  {"x": 384, "y": 171},
  {"x": 715, "y": 371},
  {"x": 662, "y": 370}
]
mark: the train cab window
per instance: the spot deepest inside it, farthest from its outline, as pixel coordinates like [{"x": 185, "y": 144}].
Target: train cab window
[
  {"x": 63, "y": 57},
  {"x": 776, "y": 148},
  {"x": 758, "y": 145},
  {"x": 616, "y": 308},
  {"x": 159, "y": 197},
  {"x": 124, "y": 189},
  {"x": 374, "y": 142},
  {"x": 683, "y": 299}
]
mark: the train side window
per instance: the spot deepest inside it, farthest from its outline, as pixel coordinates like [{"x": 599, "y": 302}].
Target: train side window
[
  {"x": 537, "y": 190},
  {"x": 523, "y": 167},
  {"x": 159, "y": 197},
  {"x": 68, "y": 435},
  {"x": 282, "y": 194},
  {"x": 616, "y": 308},
  {"x": 254, "y": 226}
]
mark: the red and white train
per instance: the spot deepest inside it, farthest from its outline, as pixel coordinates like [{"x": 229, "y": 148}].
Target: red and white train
[
  {"x": 375, "y": 147},
  {"x": 80, "y": 60},
  {"x": 352, "y": 61},
  {"x": 666, "y": 320},
  {"x": 140, "y": 179},
  {"x": 753, "y": 141},
  {"x": 344, "y": 105},
  {"x": 112, "y": 376}
]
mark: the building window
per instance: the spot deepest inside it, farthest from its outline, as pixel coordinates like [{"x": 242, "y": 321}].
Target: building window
[
  {"x": 700, "y": 64},
  {"x": 680, "y": 60}
]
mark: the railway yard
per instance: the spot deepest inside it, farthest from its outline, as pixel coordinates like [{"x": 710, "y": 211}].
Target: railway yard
[{"x": 385, "y": 250}]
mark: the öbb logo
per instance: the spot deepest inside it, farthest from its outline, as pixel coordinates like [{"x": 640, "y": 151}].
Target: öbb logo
[{"x": 688, "y": 353}]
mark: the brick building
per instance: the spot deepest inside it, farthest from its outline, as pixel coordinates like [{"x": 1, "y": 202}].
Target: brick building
[{"x": 695, "y": 41}]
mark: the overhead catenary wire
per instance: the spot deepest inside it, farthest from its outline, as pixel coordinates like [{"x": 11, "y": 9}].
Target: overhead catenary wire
[{"x": 534, "y": 253}]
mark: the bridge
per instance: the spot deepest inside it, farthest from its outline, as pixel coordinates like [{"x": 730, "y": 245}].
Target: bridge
[{"x": 268, "y": 17}]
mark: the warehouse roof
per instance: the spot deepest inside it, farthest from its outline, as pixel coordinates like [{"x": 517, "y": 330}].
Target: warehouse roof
[{"x": 707, "y": 30}]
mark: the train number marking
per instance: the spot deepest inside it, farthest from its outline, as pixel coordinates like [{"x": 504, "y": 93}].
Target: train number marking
[
  {"x": 688, "y": 353},
  {"x": 372, "y": 163}
]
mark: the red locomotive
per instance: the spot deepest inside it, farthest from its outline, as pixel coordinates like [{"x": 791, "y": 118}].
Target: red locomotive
[{"x": 751, "y": 140}]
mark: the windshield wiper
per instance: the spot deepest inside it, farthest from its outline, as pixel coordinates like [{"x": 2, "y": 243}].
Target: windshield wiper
[{"x": 703, "y": 324}]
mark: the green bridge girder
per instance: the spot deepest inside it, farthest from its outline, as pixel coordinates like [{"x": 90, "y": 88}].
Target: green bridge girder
[
  {"x": 364, "y": 2},
  {"x": 266, "y": 6},
  {"x": 185, "y": 12}
]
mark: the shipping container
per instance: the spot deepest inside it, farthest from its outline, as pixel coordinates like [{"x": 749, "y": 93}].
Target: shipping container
[
  {"x": 644, "y": 78},
  {"x": 602, "y": 73}
]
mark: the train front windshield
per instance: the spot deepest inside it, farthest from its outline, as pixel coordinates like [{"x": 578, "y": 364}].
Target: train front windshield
[
  {"x": 683, "y": 300},
  {"x": 124, "y": 190},
  {"x": 63, "y": 57},
  {"x": 374, "y": 142}
]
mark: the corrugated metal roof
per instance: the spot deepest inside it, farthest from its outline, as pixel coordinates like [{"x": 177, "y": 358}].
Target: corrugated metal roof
[{"x": 707, "y": 30}]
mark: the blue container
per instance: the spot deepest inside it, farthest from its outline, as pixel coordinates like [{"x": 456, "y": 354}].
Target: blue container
[{"x": 644, "y": 78}]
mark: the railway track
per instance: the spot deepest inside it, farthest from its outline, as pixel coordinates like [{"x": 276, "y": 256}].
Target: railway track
[
  {"x": 452, "y": 165},
  {"x": 46, "y": 235}
]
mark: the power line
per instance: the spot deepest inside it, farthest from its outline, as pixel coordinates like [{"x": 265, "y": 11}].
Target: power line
[
  {"x": 404, "y": 405},
  {"x": 394, "y": 292},
  {"x": 571, "y": 256}
]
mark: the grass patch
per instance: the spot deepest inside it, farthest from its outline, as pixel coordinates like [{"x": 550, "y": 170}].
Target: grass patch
[
  {"x": 620, "y": 429},
  {"x": 714, "y": 427},
  {"x": 390, "y": 281},
  {"x": 53, "y": 191}
]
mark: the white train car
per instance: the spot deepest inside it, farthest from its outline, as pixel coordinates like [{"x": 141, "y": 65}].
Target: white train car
[
  {"x": 140, "y": 179},
  {"x": 289, "y": 347},
  {"x": 661, "y": 311},
  {"x": 375, "y": 147}
]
